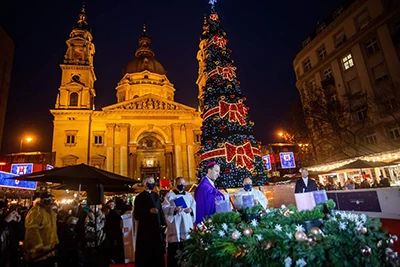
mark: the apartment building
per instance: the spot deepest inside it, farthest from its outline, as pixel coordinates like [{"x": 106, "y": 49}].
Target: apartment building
[{"x": 354, "y": 54}]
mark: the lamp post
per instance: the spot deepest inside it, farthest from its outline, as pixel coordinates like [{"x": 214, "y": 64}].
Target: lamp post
[{"x": 27, "y": 139}]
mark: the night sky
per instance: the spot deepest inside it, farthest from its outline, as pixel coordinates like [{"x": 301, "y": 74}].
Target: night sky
[{"x": 264, "y": 36}]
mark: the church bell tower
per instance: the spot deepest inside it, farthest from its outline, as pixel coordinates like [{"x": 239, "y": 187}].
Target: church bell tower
[{"x": 78, "y": 77}]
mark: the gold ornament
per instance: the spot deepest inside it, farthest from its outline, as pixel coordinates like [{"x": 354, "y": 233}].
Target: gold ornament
[
  {"x": 316, "y": 231},
  {"x": 209, "y": 88},
  {"x": 251, "y": 123},
  {"x": 247, "y": 231},
  {"x": 216, "y": 118},
  {"x": 222, "y": 97},
  {"x": 205, "y": 107},
  {"x": 267, "y": 244},
  {"x": 223, "y": 52},
  {"x": 311, "y": 240},
  {"x": 300, "y": 236},
  {"x": 221, "y": 145},
  {"x": 216, "y": 62},
  {"x": 240, "y": 101},
  {"x": 229, "y": 85},
  {"x": 235, "y": 235},
  {"x": 366, "y": 251}
]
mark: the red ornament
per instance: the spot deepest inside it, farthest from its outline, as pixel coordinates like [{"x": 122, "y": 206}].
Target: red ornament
[
  {"x": 244, "y": 98},
  {"x": 209, "y": 142},
  {"x": 228, "y": 64},
  {"x": 245, "y": 140},
  {"x": 220, "y": 83},
  {"x": 237, "y": 82},
  {"x": 232, "y": 96},
  {"x": 227, "y": 171},
  {"x": 222, "y": 127},
  {"x": 202, "y": 128}
]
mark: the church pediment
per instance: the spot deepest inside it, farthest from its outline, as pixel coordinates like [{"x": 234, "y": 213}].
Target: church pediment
[{"x": 149, "y": 102}]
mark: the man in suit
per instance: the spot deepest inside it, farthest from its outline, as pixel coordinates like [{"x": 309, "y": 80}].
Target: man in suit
[{"x": 305, "y": 184}]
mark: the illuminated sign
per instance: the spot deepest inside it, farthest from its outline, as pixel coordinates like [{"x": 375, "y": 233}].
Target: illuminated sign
[
  {"x": 21, "y": 168},
  {"x": 49, "y": 167},
  {"x": 287, "y": 160},
  {"x": 267, "y": 162},
  {"x": 6, "y": 182}
]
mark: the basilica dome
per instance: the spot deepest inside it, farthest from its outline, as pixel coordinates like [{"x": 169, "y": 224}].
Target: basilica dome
[{"x": 144, "y": 58}]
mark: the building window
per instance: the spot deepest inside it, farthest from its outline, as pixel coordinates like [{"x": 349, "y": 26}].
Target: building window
[
  {"x": 321, "y": 28},
  {"x": 197, "y": 138},
  {"x": 370, "y": 139},
  {"x": 328, "y": 73},
  {"x": 321, "y": 52},
  {"x": 306, "y": 41},
  {"x": 354, "y": 86},
  {"x": 73, "y": 99},
  {"x": 121, "y": 96},
  {"x": 390, "y": 104},
  {"x": 347, "y": 62},
  {"x": 362, "y": 112},
  {"x": 362, "y": 20},
  {"x": 380, "y": 73},
  {"x": 338, "y": 12},
  {"x": 339, "y": 38},
  {"x": 371, "y": 46},
  {"x": 307, "y": 65},
  {"x": 70, "y": 139},
  {"x": 394, "y": 133},
  {"x": 312, "y": 84},
  {"x": 98, "y": 140}
]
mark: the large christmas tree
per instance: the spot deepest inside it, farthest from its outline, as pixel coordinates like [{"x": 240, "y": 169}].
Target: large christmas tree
[{"x": 227, "y": 132}]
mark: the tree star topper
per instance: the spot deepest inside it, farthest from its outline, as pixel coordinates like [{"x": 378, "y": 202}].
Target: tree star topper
[{"x": 212, "y": 2}]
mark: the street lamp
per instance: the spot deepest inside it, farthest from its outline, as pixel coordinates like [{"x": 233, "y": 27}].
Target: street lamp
[{"x": 27, "y": 139}]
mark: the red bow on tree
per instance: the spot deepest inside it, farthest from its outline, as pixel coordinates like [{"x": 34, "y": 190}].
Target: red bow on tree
[
  {"x": 219, "y": 41},
  {"x": 244, "y": 155},
  {"x": 213, "y": 16},
  {"x": 237, "y": 112}
]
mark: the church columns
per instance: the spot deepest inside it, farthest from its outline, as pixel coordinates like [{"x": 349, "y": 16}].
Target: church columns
[
  {"x": 124, "y": 127},
  {"x": 176, "y": 133},
  {"x": 117, "y": 146},
  {"x": 190, "y": 153},
  {"x": 169, "y": 169},
  {"x": 133, "y": 171},
  {"x": 110, "y": 146}
]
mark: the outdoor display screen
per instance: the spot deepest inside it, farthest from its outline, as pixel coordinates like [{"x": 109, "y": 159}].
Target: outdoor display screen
[
  {"x": 267, "y": 162},
  {"x": 287, "y": 160},
  {"x": 5, "y": 182}
]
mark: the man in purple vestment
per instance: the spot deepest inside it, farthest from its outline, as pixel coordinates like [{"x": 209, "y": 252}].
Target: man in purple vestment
[{"x": 206, "y": 193}]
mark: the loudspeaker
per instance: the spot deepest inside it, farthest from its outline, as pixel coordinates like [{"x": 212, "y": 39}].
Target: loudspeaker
[{"x": 95, "y": 195}]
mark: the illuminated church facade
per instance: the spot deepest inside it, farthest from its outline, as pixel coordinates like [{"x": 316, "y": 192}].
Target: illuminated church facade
[{"x": 144, "y": 134}]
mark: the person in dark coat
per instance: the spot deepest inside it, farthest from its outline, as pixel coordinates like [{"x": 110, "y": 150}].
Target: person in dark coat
[
  {"x": 305, "y": 184},
  {"x": 151, "y": 224},
  {"x": 114, "y": 233}
]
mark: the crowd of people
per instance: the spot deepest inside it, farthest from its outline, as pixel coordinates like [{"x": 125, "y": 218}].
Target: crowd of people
[
  {"x": 92, "y": 235},
  {"x": 70, "y": 235}
]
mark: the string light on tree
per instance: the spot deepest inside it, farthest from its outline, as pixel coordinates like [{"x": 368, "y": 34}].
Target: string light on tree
[{"x": 227, "y": 131}]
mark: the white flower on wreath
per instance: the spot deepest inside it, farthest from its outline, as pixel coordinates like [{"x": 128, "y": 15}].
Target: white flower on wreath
[
  {"x": 267, "y": 211},
  {"x": 301, "y": 263},
  {"x": 288, "y": 262},
  {"x": 259, "y": 237},
  {"x": 289, "y": 235},
  {"x": 224, "y": 226},
  {"x": 283, "y": 206},
  {"x": 221, "y": 233},
  {"x": 342, "y": 226},
  {"x": 254, "y": 223},
  {"x": 363, "y": 218},
  {"x": 300, "y": 228},
  {"x": 278, "y": 228}
]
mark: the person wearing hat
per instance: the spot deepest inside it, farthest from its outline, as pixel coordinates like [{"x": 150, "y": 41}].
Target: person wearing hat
[
  {"x": 206, "y": 193},
  {"x": 41, "y": 233}
]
